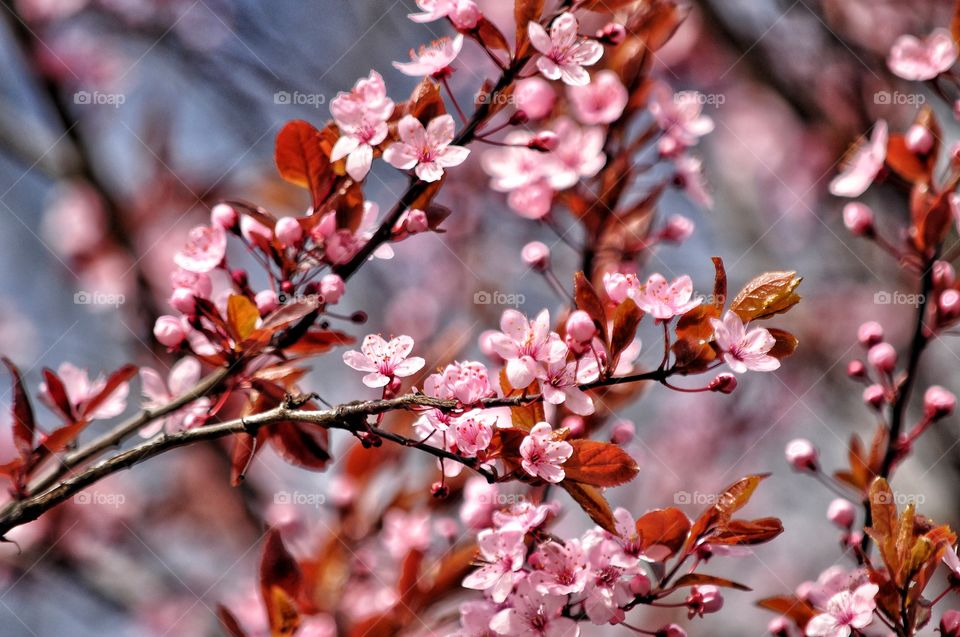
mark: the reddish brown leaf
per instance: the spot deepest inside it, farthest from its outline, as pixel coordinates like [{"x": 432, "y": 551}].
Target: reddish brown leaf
[
  {"x": 785, "y": 345},
  {"x": 58, "y": 395},
  {"x": 302, "y": 159},
  {"x": 591, "y": 500},
  {"x": 245, "y": 447},
  {"x": 747, "y": 532},
  {"x": 524, "y": 12},
  {"x": 789, "y": 606},
  {"x": 318, "y": 342},
  {"x": 280, "y": 585},
  {"x": 230, "y": 623},
  {"x": 664, "y": 527},
  {"x": 242, "y": 316},
  {"x": 301, "y": 444},
  {"x": 426, "y": 101},
  {"x": 699, "y": 579},
  {"x": 719, "y": 285},
  {"x": 626, "y": 318},
  {"x": 588, "y": 301},
  {"x": 601, "y": 464},
  {"x": 490, "y": 36},
  {"x": 905, "y": 162},
  {"x": 768, "y": 294},
  {"x": 24, "y": 425}
]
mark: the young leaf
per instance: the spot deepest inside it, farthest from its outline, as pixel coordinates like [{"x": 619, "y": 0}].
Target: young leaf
[
  {"x": 588, "y": 301},
  {"x": 242, "y": 316},
  {"x": 24, "y": 425},
  {"x": 699, "y": 579},
  {"x": 302, "y": 159},
  {"x": 230, "y": 622},
  {"x": 280, "y": 585},
  {"x": 592, "y": 502},
  {"x": 426, "y": 101},
  {"x": 525, "y": 11},
  {"x": 625, "y": 321},
  {"x": 795, "y": 608},
  {"x": 768, "y": 294},
  {"x": 58, "y": 395},
  {"x": 601, "y": 464},
  {"x": 663, "y": 527}
]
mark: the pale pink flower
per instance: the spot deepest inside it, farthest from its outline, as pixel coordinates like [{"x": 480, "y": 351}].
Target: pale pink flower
[
  {"x": 681, "y": 118},
  {"x": 561, "y": 569},
  {"x": 601, "y": 101},
  {"x": 432, "y": 60},
  {"x": 563, "y": 52},
  {"x": 525, "y": 516},
  {"x": 428, "y": 151},
  {"x": 845, "y": 611},
  {"x": 703, "y": 600},
  {"x": 520, "y": 171},
  {"x": 205, "y": 248},
  {"x": 480, "y": 500},
  {"x": 560, "y": 384},
  {"x": 534, "y": 615},
  {"x": 619, "y": 286},
  {"x": 525, "y": 345},
  {"x": 578, "y": 154},
  {"x": 81, "y": 389},
  {"x": 864, "y": 166},
  {"x": 664, "y": 300},
  {"x": 535, "y": 97},
  {"x": 502, "y": 554},
  {"x": 156, "y": 393},
  {"x": 690, "y": 175},
  {"x": 606, "y": 590},
  {"x": 919, "y": 60},
  {"x": 467, "y": 382},
  {"x": 473, "y": 432},
  {"x": 405, "y": 531},
  {"x": 543, "y": 456},
  {"x": 465, "y": 14},
  {"x": 743, "y": 350},
  {"x": 384, "y": 360},
  {"x": 361, "y": 115},
  {"x": 475, "y": 618}
]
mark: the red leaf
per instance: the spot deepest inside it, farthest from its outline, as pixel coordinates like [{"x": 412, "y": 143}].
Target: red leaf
[
  {"x": 58, "y": 395},
  {"x": 245, "y": 447},
  {"x": 666, "y": 527},
  {"x": 230, "y": 622},
  {"x": 625, "y": 321},
  {"x": 280, "y": 584},
  {"x": 302, "y": 160},
  {"x": 699, "y": 579},
  {"x": 589, "y": 301},
  {"x": 591, "y": 500},
  {"x": 601, "y": 464},
  {"x": 524, "y": 12},
  {"x": 24, "y": 425},
  {"x": 301, "y": 444}
]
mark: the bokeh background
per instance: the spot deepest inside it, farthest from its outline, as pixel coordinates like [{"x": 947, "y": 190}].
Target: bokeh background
[{"x": 122, "y": 121}]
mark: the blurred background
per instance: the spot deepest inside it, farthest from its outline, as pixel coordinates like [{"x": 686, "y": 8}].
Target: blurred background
[{"x": 123, "y": 121}]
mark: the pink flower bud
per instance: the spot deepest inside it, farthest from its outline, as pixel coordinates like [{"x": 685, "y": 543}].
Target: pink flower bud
[
  {"x": 415, "y": 221},
  {"x": 870, "y": 333},
  {"x": 854, "y": 538},
  {"x": 802, "y": 455},
  {"x": 252, "y": 230},
  {"x": 883, "y": 357},
  {"x": 544, "y": 141},
  {"x": 536, "y": 254},
  {"x": 616, "y": 286},
  {"x": 725, "y": 383},
  {"x": 944, "y": 275},
  {"x": 842, "y": 513},
  {"x": 239, "y": 277},
  {"x": 950, "y": 623},
  {"x": 779, "y": 627},
  {"x": 288, "y": 231},
  {"x": 224, "y": 215},
  {"x": 856, "y": 369},
  {"x": 575, "y": 424},
  {"x": 267, "y": 301},
  {"x": 623, "y": 432},
  {"x": 671, "y": 630},
  {"x": 678, "y": 229},
  {"x": 704, "y": 599},
  {"x": 535, "y": 97},
  {"x": 858, "y": 218},
  {"x": 182, "y": 300},
  {"x": 919, "y": 139},
  {"x": 948, "y": 304},
  {"x": 938, "y": 402},
  {"x": 332, "y": 288},
  {"x": 466, "y": 16},
  {"x": 169, "y": 332},
  {"x": 580, "y": 326},
  {"x": 874, "y": 396},
  {"x": 612, "y": 33},
  {"x": 640, "y": 585}
]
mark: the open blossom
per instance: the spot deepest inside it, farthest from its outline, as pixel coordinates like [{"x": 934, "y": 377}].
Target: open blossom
[
  {"x": 543, "y": 457},
  {"x": 601, "y": 101},
  {"x": 847, "y": 610},
  {"x": 463, "y": 13},
  {"x": 522, "y": 172},
  {"x": 919, "y": 60},
  {"x": 205, "y": 248},
  {"x": 690, "y": 177},
  {"x": 534, "y": 615},
  {"x": 427, "y": 151},
  {"x": 864, "y": 166},
  {"x": 384, "y": 360},
  {"x": 467, "y": 382},
  {"x": 607, "y": 589},
  {"x": 563, "y": 52},
  {"x": 743, "y": 350},
  {"x": 183, "y": 376},
  {"x": 578, "y": 154},
  {"x": 525, "y": 516},
  {"x": 664, "y": 300},
  {"x": 473, "y": 432},
  {"x": 361, "y": 115},
  {"x": 475, "y": 618},
  {"x": 560, "y": 383},
  {"x": 81, "y": 389},
  {"x": 525, "y": 345},
  {"x": 433, "y": 59},
  {"x": 681, "y": 118},
  {"x": 561, "y": 569},
  {"x": 502, "y": 554},
  {"x": 405, "y": 531}
]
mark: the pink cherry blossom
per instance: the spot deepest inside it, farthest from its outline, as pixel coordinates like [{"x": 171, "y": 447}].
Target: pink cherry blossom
[
  {"x": 432, "y": 60},
  {"x": 690, "y": 177},
  {"x": 361, "y": 115},
  {"x": 405, "y": 531},
  {"x": 473, "y": 432},
  {"x": 205, "y": 248},
  {"x": 563, "y": 52},
  {"x": 543, "y": 456},
  {"x": 561, "y": 569},
  {"x": 601, "y": 101},
  {"x": 81, "y": 389},
  {"x": 384, "y": 360},
  {"x": 520, "y": 171},
  {"x": 428, "y": 151},
  {"x": 578, "y": 154},
  {"x": 681, "y": 118},
  {"x": 606, "y": 590},
  {"x": 864, "y": 166},
  {"x": 535, "y": 97},
  {"x": 920, "y": 60},
  {"x": 664, "y": 300},
  {"x": 183, "y": 376},
  {"x": 463, "y": 13},
  {"x": 475, "y": 618},
  {"x": 525, "y": 516},
  {"x": 847, "y": 610},
  {"x": 534, "y": 615},
  {"x": 526, "y": 345},
  {"x": 743, "y": 350},
  {"x": 480, "y": 500},
  {"x": 502, "y": 554},
  {"x": 560, "y": 381},
  {"x": 467, "y": 382}
]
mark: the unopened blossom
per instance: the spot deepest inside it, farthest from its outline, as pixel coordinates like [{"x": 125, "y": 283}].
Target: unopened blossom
[
  {"x": 473, "y": 432},
  {"x": 858, "y": 218},
  {"x": 681, "y": 118},
  {"x": 361, "y": 116},
  {"x": 254, "y": 231},
  {"x": 267, "y": 301},
  {"x": 950, "y": 624},
  {"x": 663, "y": 300},
  {"x": 560, "y": 384},
  {"x": 81, "y": 389},
  {"x": 428, "y": 151},
  {"x": 534, "y": 97},
  {"x": 744, "y": 350},
  {"x": 560, "y": 569},
  {"x": 938, "y": 402},
  {"x": 677, "y": 229},
  {"x": 432, "y": 60},
  {"x": 846, "y": 611},
  {"x": 183, "y": 376},
  {"x": 527, "y": 346},
  {"x": 205, "y": 248},
  {"x": 480, "y": 500},
  {"x": 385, "y": 360},
  {"x": 536, "y": 254},
  {"x": 224, "y": 215},
  {"x": 619, "y": 286},
  {"x": 332, "y": 288},
  {"x": 883, "y": 356},
  {"x": 703, "y": 600},
  {"x": 563, "y": 52},
  {"x": 601, "y": 101},
  {"x": 841, "y": 512},
  {"x": 502, "y": 554},
  {"x": 467, "y": 382},
  {"x": 578, "y": 154},
  {"x": 169, "y": 331},
  {"x": 534, "y": 615},
  {"x": 920, "y": 60},
  {"x": 543, "y": 456},
  {"x": 864, "y": 166}
]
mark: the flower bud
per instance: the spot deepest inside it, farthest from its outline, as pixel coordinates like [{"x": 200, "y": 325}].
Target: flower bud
[
  {"x": 677, "y": 229},
  {"x": 466, "y": 16},
  {"x": 623, "y": 432},
  {"x": 938, "y": 402},
  {"x": 288, "y": 231},
  {"x": 950, "y": 623},
  {"x": 224, "y": 215},
  {"x": 252, "y": 230},
  {"x": 332, "y": 288},
  {"x": 703, "y": 600},
  {"x": 576, "y": 425},
  {"x": 779, "y": 627},
  {"x": 535, "y": 97},
  {"x": 856, "y": 369},
  {"x": 858, "y": 218},
  {"x": 944, "y": 275},
  {"x": 169, "y": 332},
  {"x": 724, "y": 383},
  {"x": 870, "y": 333},
  {"x": 802, "y": 455},
  {"x": 640, "y": 585},
  {"x": 581, "y": 327},
  {"x": 415, "y": 221},
  {"x": 874, "y": 396},
  {"x": 948, "y": 304},
  {"x": 612, "y": 33},
  {"x": 240, "y": 278},
  {"x": 616, "y": 285},
  {"x": 267, "y": 301},
  {"x": 841, "y": 513},
  {"x": 919, "y": 139},
  {"x": 439, "y": 490},
  {"x": 883, "y": 357},
  {"x": 671, "y": 630},
  {"x": 536, "y": 254},
  {"x": 544, "y": 141},
  {"x": 182, "y": 300}
]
